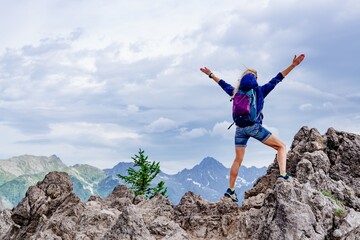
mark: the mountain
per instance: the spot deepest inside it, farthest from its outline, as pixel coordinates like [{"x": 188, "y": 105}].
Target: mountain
[
  {"x": 28, "y": 164},
  {"x": 17, "y": 174},
  {"x": 120, "y": 168},
  {"x": 320, "y": 201},
  {"x": 209, "y": 178},
  {"x": 5, "y": 176},
  {"x": 89, "y": 173},
  {"x": 13, "y": 191}
]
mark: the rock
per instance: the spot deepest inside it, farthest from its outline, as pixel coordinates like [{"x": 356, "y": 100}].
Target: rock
[
  {"x": 120, "y": 197},
  {"x": 130, "y": 225},
  {"x": 204, "y": 220},
  {"x": 158, "y": 214},
  {"x": 320, "y": 201},
  {"x": 1, "y": 204},
  {"x": 5, "y": 222},
  {"x": 120, "y": 191},
  {"x": 348, "y": 227},
  {"x": 256, "y": 201},
  {"x": 51, "y": 211},
  {"x": 139, "y": 199},
  {"x": 296, "y": 212},
  {"x": 325, "y": 183},
  {"x": 37, "y": 212}
]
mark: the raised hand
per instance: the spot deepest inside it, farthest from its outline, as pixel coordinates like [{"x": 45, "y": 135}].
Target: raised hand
[
  {"x": 210, "y": 74},
  {"x": 298, "y": 60},
  {"x": 205, "y": 70}
]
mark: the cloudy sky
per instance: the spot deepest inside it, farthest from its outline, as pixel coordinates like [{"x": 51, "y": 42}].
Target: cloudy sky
[{"x": 94, "y": 81}]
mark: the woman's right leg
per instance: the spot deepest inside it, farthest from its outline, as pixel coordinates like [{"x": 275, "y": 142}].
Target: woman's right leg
[
  {"x": 239, "y": 156},
  {"x": 241, "y": 139}
]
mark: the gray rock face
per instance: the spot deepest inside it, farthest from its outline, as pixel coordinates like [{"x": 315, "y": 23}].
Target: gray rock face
[
  {"x": 322, "y": 196},
  {"x": 320, "y": 201},
  {"x": 1, "y": 205},
  {"x": 5, "y": 222}
]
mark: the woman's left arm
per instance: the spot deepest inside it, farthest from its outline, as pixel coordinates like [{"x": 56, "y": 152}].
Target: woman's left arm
[
  {"x": 296, "y": 61},
  {"x": 266, "y": 89}
]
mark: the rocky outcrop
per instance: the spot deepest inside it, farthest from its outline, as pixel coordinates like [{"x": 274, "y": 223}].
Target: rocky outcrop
[
  {"x": 5, "y": 222},
  {"x": 320, "y": 201},
  {"x": 322, "y": 197}
]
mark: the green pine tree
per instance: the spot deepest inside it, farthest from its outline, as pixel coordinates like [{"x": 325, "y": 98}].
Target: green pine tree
[{"x": 140, "y": 180}]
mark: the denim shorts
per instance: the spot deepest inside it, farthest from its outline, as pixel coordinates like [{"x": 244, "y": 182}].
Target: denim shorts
[{"x": 256, "y": 131}]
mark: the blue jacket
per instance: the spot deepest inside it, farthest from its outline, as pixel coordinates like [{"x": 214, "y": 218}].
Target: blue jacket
[{"x": 249, "y": 82}]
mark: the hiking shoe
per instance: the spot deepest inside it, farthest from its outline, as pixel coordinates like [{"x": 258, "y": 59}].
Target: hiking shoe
[
  {"x": 284, "y": 177},
  {"x": 231, "y": 194}
]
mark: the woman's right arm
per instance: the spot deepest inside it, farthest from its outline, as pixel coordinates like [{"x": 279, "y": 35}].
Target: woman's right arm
[
  {"x": 210, "y": 74},
  {"x": 224, "y": 85}
]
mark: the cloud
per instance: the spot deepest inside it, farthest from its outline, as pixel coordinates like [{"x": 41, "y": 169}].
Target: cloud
[
  {"x": 74, "y": 142},
  {"x": 132, "y": 108},
  {"x": 12, "y": 93},
  {"x": 73, "y": 78},
  {"x": 46, "y": 46},
  {"x": 318, "y": 107},
  {"x": 100, "y": 134},
  {"x": 221, "y": 129},
  {"x": 193, "y": 133},
  {"x": 328, "y": 105},
  {"x": 273, "y": 130},
  {"x": 76, "y": 34},
  {"x": 347, "y": 123},
  {"x": 161, "y": 125},
  {"x": 83, "y": 84},
  {"x": 305, "y": 106}
]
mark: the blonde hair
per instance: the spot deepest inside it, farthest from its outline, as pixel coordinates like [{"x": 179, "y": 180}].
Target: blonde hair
[{"x": 248, "y": 70}]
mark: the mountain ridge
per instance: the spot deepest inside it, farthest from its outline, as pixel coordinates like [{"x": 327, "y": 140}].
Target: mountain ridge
[
  {"x": 89, "y": 180},
  {"x": 21, "y": 172},
  {"x": 28, "y": 164}
]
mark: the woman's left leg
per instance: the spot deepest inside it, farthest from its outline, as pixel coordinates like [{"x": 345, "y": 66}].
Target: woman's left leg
[{"x": 280, "y": 147}]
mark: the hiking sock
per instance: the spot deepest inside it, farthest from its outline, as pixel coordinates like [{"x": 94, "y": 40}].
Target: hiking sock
[{"x": 232, "y": 189}]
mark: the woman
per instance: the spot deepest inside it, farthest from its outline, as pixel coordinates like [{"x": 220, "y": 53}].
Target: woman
[{"x": 246, "y": 128}]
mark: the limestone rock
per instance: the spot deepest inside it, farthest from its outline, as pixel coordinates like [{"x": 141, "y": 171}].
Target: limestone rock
[
  {"x": 158, "y": 214},
  {"x": 130, "y": 225},
  {"x": 206, "y": 220},
  {"x": 320, "y": 201},
  {"x": 1, "y": 204},
  {"x": 5, "y": 222}
]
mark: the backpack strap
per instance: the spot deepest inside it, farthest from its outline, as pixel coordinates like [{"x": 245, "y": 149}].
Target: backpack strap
[{"x": 231, "y": 125}]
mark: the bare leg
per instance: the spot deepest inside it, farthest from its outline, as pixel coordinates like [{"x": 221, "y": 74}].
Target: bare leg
[
  {"x": 280, "y": 147},
  {"x": 240, "y": 152}
]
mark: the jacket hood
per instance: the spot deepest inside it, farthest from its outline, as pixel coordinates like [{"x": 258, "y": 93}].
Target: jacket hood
[{"x": 248, "y": 82}]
